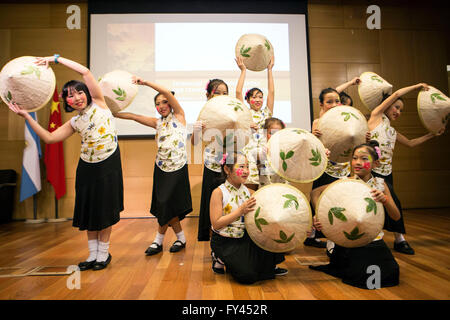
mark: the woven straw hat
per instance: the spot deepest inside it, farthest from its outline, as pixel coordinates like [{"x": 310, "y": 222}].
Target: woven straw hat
[
  {"x": 255, "y": 50},
  {"x": 342, "y": 128},
  {"x": 281, "y": 218},
  {"x": 296, "y": 155},
  {"x": 226, "y": 115},
  {"x": 348, "y": 214},
  {"x": 118, "y": 89},
  {"x": 372, "y": 88},
  {"x": 434, "y": 109},
  {"x": 27, "y": 84}
]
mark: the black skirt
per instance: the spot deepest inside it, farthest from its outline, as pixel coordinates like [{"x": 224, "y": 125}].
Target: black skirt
[
  {"x": 211, "y": 180},
  {"x": 171, "y": 195},
  {"x": 352, "y": 265},
  {"x": 389, "y": 223},
  {"x": 244, "y": 260},
  {"x": 98, "y": 193}
]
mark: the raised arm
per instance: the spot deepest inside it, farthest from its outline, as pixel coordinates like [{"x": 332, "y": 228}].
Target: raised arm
[
  {"x": 240, "y": 84},
  {"x": 88, "y": 77},
  {"x": 342, "y": 87},
  {"x": 146, "y": 121},
  {"x": 271, "y": 86},
  {"x": 415, "y": 142}
]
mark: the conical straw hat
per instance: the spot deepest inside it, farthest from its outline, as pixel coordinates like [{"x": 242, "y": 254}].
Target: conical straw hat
[
  {"x": 118, "y": 89},
  {"x": 348, "y": 214},
  {"x": 281, "y": 218},
  {"x": 255, "y": 50},
  {"x": 27, "y": 84},
  {"x": 372, "y": 88},
  {"x": 225, "y": 116},
  {"x": 434, "y": 109},
  {"x": 342, "y": 128},
  {"x": 296, "y": 155}
]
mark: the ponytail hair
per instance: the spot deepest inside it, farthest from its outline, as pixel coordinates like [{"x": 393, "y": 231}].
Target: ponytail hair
[{"x": 372, "y": 147}]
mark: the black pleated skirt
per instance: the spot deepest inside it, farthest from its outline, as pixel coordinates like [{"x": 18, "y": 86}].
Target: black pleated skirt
[
  {"x": 389, "y": 223},
  {"x": 98, "y": 193},
  {"x": 171, "y": 195},
  {"x": 352, "y": 265},
  {"x": 211, "y": 180},
  {"x": 244, "y": 260}
]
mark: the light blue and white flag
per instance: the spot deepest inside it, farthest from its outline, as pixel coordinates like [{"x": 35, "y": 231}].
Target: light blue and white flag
[{"x": 31, "y": 171}]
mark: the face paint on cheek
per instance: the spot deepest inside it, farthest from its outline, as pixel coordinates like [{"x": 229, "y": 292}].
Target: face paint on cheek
[
  {"x": 252, "y": 101},
  {"x": 366, "y": 165},
  {"x": 239, "y": 172},
  {"x": 69, "y": 101}
]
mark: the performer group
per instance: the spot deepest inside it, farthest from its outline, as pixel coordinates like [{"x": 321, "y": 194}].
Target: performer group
[{"x": 230, "y": 178}]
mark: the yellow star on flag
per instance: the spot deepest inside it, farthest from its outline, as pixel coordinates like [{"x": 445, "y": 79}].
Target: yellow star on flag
[
  {"x": 54, "y": 107},
  {"x": 52, "y": 125}
]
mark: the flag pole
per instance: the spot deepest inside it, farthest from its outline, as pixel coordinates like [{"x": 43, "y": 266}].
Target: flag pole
[
  {"x": 56, "y": 219},
  {"x": 35, "y": 219}
]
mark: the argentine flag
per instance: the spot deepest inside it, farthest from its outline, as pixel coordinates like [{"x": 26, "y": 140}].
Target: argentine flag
[{"x": 31, "y": 171}]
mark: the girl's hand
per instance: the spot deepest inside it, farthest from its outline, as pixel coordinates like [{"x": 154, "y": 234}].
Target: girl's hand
[
  {"x": 356, "y": 80},
  {"x": 44, "y": 61},
  {"x": 16, "y": 109},
  {"x": 440, "y": 132},
  {"x": 424, "y": 86},
  {"x": 327, "y": 152},
  {"x": 368, "y": 136},
  {"x": 271, "y": 63},
  {"x": 254, "y": 126},
  {"x": 137, "y": 80},
  {"x": 198, "y": 126},
  {"x": 317, "y": 133},
  {"x": 378, "y": 195},
  {"x": 240, "y": 63},
  {"x": 248, "y": 206},
  {"x": 317, "y": 224}
]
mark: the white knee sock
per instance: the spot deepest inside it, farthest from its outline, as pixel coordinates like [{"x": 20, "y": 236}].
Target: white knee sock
[
  {"x": 181, "y": 237},
  {"x": 103, "y": 252},
  {"x": 93, "y": 248},
  {"x": 313, "y": 233},
  {"x": 399, "y": 237},
  {"x": 159, "y": 240}
]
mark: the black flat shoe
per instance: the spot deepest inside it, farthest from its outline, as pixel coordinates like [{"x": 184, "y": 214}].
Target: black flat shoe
[
  {"x": 151, "y": 251},
  {"x": 403, "y": 247},
  {"x": 220, "y": 270},
  {"x": 314, "y": 242},
  {"x": 86, "y": 265},
  {"x": 103, "y": 264},
  {"x": 177, "y": 247}
]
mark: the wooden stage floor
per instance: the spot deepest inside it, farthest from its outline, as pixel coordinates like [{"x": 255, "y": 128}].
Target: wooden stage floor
[{"x": 187, "y": 275}]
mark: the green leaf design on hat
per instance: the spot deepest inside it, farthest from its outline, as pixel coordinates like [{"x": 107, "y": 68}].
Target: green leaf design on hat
[
  {"x": 299, "y": 131},
  {"x": 30, "y": 70},
  {"x": 354, "y": 234},
  {"x": 284, "y": 156},
  {"x": 121, "y": 94},
  {"x": 267, "y": 45},
  {"x": 376, "y": 78},
  {"x": 225, "y": 141},
  {"x": 348, "y": 114},
  {"x": 337, "y": 212},
  {"x": 291, "y": 199},
  {"x": 346, "y": 153},
  {"x": 260, "y": 221},
  {"x": 316, "y": 159},
  {"x": 244, "y": 52},
  {"x": 236, "y": 105},
  {"x": 435, "y": 96},
  {"x": 8, "y": 96},
  {"x": 372, "y": 206},
  {"x": 284, "y": 238}
]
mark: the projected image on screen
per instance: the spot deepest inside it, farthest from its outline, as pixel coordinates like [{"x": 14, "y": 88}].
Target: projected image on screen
[{"x": 183, "y": 52}]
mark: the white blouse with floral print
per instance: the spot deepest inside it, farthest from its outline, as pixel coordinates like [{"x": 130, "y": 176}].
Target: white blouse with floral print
[
  {"x": 232, "y": 199},
  {"x": 171, "y": 142},
  {"x": 386, "y": 137},
  {"x": 338, "y": 170},
  {"x": 97, "y": 129}
]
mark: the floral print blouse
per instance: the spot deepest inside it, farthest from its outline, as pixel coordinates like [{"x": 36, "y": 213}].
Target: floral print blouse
[
  {"x": 171, "y": 142},
  {"x": 97, "y": 129},
  {"x": 338, "y": 170},
  {"x": 386, "y": 137},
  {"x": 232, "y": 199}
]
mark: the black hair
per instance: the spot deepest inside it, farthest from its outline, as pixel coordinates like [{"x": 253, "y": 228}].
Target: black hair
[
  {"x": 159, "y": 93},
  {"x": 324, "y": 92},
  {"x": 230, "y": 164},
  {"x": 387, "y": 95},
  {"x": 270, "y": 121},
  {"x": 345, "y": 99},
  {"x": 213, "y": 84},
  {"x": 370, "y": 147},
  {"x": 250, "y": 92},
  {"x": 78, "y": 86}
]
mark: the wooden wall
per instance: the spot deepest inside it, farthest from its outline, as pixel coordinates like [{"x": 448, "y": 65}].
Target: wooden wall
[{"x": 410, "y": 48}]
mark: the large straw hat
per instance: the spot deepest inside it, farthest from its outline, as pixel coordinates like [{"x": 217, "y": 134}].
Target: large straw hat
[
  {"x": 296, "y": 155},
  {"x": 27, "y": 84},
  {"x": 226, "y": 116},
  {"x": 348, "y": 214},
  {"x": 255, "y": 50},
  {"x": 281, "y": 218},
  {"x": 434, "y": 109},
  {"x": 342, "y": 128},
  {"x": 372, "y": 88},
  {"x": 118, "y": 89}
]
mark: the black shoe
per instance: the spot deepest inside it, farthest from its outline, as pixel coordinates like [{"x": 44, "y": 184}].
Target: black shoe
[
  {"x": 214, "y": 260},
  {"x": 86, "y": 265},
  {"x": 151, "y": 251},
  {"x": 99, "y": 265},
  {"x": 403, "y": 247},
  {"x": 314, "y": 242},
  {"x": 280, "y": 271},
  {"x": 177, "y": 247}
]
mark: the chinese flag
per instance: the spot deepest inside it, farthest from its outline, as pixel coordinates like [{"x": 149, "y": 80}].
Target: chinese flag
[{"x": 54, "y": 154}]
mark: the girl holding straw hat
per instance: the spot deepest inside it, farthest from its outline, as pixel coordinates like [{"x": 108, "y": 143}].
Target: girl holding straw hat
[
  {"x": 260, "y": 113},
  {"x": 381, "y": 130},
  {"x": 171, "y": 196},
  {"x": 351, "y": 264},
  {"x": 231, "y": 245},
  {"x": 99, "y": 182}
]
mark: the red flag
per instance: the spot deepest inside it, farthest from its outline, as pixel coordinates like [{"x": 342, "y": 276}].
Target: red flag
[{"x": 54, "y": 153}]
